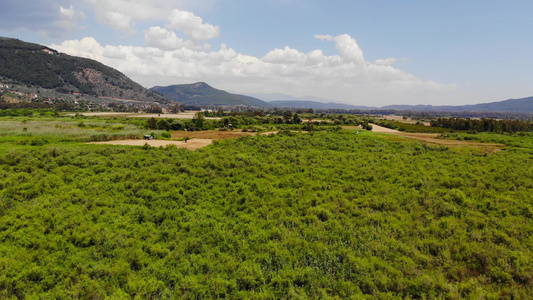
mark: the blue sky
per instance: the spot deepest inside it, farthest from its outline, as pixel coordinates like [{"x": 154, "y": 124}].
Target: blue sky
[{"x": 370, "y": 53}]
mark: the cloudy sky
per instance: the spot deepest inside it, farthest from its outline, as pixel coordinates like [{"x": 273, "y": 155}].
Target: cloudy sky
[{"x": 373, "y": 52}]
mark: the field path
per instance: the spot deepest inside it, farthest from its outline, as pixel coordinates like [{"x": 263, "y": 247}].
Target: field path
[
  {"x": 432, "y": 138},
  {"x": 192, "y": 144}
]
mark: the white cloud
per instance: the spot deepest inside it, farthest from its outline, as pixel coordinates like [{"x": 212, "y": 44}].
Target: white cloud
[
  {"x": 117, "y": 21},
  {"x": 192, "y": 25},
  {"x": 386, "y": 62},
  {"x": 68, "y": 21},
  {"x": 67, "y": 12},
  {"x": 122, "y": 15},
  {"x": 45, "y": 17},
  {"x": 167, "y": 40},
  {"x": 284, "y": 56},
  {"x": 348, "y": 48},
  {"x": 345, "y": 77}
]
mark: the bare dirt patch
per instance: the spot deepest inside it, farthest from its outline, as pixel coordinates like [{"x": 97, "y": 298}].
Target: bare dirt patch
[
  {"x": 198, "y": 139},
  {"x": 210, "y": 134},
  {"x": 401, "y": 119},
  {"x": 377, "y": 128},
  {"x": 190, "y": 144}
]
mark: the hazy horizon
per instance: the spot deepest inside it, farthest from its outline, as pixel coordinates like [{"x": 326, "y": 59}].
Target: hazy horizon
[{"x": 350, "y": 52}]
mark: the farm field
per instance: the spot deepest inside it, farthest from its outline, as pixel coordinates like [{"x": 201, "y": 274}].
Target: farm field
[
  {"x": 435, "y": 139},
  {"x": 192, "y": 144},
  {"x": 324, "y": 214},
  {"x": 401, "y": 119},
  {"x": 183, "y": 115},
  {"x": 211, "y": 134}
]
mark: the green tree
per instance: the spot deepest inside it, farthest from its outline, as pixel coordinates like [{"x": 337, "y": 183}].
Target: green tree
[
  {"x": 163, "y": 124},
  {"x": 220, "y": 112},
  {"x": 310, "y": 125},
  {"x": 287, "y": 116},
  {"x": 198, "y": 119},
  {"x": 296, "y": 119},
  {"x": 151, "y": 123}
]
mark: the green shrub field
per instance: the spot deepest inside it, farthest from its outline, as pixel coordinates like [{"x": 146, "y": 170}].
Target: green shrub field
[{"x": 327, "y": 214}]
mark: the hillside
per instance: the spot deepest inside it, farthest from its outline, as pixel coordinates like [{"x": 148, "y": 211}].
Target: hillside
[
  {"x": 523, "y": 105},
  {"x": 202, "y": 94},
  {"x": 39, "y": 66}
]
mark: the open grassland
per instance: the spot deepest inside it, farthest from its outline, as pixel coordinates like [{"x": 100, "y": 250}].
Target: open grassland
[
  {"x": 287, "y": 215},
  {"x": 46, "y": 130},
  {"x": 439, "y": 139},
  {"x": 183, "y": 115}
]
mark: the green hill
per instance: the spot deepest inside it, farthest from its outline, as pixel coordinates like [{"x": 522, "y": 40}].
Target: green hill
[
  {"x": 39, "y": 66},
  {"x": 202, "y": 94}
]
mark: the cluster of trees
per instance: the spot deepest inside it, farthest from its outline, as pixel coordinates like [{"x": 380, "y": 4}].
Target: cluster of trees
[
  {"x": 484, "y": 125},
  {"x": 25, "y": 112},
  {"x": 256, "y": 123},
  {"x": 197, "y": 123},
  {"x": 311, "y": 215}
]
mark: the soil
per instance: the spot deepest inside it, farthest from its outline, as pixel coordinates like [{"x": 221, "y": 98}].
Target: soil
[
  {"x": 198, "y": 139},
  {"x": 210, "y": 134},
  {"x": 190, "y": 144},
  {"x": 401, "y": 119}
]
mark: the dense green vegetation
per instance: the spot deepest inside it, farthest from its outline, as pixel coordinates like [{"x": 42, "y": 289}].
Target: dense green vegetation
[
  {"x": 484, "y": 125},
  {"x": 520, "y": 139},
  {"x": 292, "y": 215}
]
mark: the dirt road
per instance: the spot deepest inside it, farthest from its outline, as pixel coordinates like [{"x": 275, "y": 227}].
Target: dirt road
[{"x": 432, "y": 138}]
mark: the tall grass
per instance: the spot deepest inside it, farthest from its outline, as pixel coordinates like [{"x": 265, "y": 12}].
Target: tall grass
[{"x": 21, "y": 129}]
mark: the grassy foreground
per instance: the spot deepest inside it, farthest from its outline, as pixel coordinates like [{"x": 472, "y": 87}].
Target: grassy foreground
[{"x": 328, "y": 214}]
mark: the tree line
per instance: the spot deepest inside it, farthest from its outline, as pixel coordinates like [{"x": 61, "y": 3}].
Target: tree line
[{"x": 483, "y": 125}]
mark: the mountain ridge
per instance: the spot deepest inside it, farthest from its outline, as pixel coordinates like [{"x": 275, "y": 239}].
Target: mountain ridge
[
  {"x": 34, "y": 65},
  {"x": 42, "y": 67},
  {"x": 202, "y": 94}
]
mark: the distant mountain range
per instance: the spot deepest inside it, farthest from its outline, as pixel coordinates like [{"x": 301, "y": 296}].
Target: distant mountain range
[
  {"x": 523, "y": 105},
  {"x": 38, "y": 66},
  {"x": 201, "y": 94},
  {"x": 315, "y": 104},
  {"x": 41, "y": 67},
  {"x": 268, "y": 97}
]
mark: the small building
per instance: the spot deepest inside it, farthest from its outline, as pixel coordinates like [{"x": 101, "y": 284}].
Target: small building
[{"x": 148, "y": 137}]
